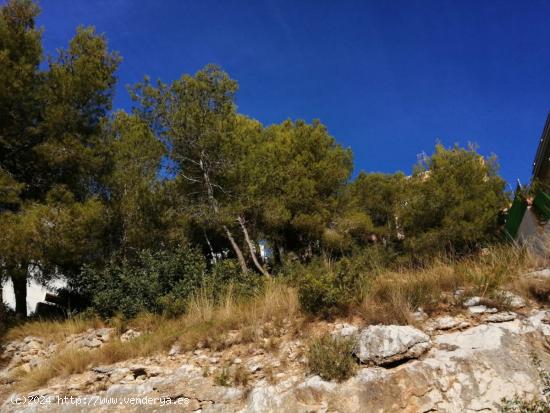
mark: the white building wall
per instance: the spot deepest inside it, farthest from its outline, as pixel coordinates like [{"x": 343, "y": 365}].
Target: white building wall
[
  {"x": 35, "y": 293},
  {"x": 533, "y": 231}
]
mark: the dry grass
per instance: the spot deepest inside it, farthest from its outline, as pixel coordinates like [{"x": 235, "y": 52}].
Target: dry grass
[
  {"x": 53, "y": 330},
  {"x": 535, "y": 288},
  {"x": 205, "y": 323},
  {"x": 392, "y": 297}
]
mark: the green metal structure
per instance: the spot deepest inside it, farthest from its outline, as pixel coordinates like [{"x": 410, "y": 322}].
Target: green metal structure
[
  {"x": 515, "y": 215},
  {"x": 542, "y": 204}
]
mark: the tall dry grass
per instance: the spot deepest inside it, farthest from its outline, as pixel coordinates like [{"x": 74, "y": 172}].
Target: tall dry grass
[
  {"x": 205, "y": 322},
  {"x": 392, "y": 297},
  {"x": 53, "y": 330}
]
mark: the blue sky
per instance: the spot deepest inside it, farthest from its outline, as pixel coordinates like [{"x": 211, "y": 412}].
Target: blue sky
[{"x": 388, "y": 78}]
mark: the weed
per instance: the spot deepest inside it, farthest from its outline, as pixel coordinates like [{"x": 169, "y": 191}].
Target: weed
[
  {"x": 223, "y": 379},
  {"x": 332, "y": 358}
]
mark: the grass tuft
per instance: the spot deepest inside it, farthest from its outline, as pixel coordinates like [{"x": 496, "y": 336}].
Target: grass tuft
[
  {"x": 331, "y": 357},
  {"x": 53, "y": 330}
]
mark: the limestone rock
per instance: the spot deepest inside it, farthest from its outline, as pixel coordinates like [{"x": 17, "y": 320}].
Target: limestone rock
[
  {"x": 464, "y": 371},
  {"x": 481, "y": 309},
  {"x": 90, "y": 339},
  {"x": 387, "y": 344},
  {"x": 500, "y": 317},
  {"x": 472, "y": 301},
  {"x": 345, "y": 330},
  {"x": 544, "y": 273},
  {"x": 130, "y": 335},
  {"x": 513, "y": 300},
  {"x": 446, "y": 322},
  {"x": 175, "y": 350}
]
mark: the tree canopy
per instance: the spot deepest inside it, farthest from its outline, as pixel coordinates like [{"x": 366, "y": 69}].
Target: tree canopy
[{"x": 86, "y": 191}]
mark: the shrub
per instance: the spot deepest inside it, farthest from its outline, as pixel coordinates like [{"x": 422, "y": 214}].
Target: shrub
[
  {"x": 332, "y": 357},
  {"x": 155, "y": 281},
  {"x": 330, "y": 289},
  {"x": 227, "y": 274}
]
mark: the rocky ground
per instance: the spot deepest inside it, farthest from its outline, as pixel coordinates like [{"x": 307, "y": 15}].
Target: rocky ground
[{"x": 464, "y": 362}]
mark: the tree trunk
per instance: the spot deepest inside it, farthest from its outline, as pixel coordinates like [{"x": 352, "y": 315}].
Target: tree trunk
[
  {"x": 2, "y": 315},
  {"x": 277, "y": 253},
  {"x": 19, "y": 280},
  {"x": 215, "y": 208},
  {"x": 214, "y": 259},
  {"x": 236, "y": 248},
  {"x": 251, "y": 248}
]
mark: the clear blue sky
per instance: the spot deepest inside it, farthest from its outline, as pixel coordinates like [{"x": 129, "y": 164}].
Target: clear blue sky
[{"x": 387, "y": 77}]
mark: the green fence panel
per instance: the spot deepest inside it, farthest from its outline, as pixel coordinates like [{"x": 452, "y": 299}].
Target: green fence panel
[
  {"x": 542, "y": 204},
  {"x": 515, "y": 215}
]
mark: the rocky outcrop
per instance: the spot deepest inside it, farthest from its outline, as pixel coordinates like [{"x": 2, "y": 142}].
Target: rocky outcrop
[
  {"x": 30, "y": 352},
  {"x": 383, "y": 345},
  {"x": 90, "y": 339},
  {"x": 466, "y": 365},
  {"x": 130, "y": 335}
]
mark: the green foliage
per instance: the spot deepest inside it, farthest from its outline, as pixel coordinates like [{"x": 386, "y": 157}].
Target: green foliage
[
  {"x": 332, "y": 357},
  {"x": 50, "y": 160},
  {"x": 78, "y": 185},
  {"x": 227, "y": 274},
  {"x": 152, "y": 283},
  {"x": 57, "y": 233},
  {"x": 379, "y": 196},
  {"x": 452, "y": 202},
  {"x": 160, "y": 282},
  {"x": 137, "y": 201},
  {"x": 224, "y": 378},
  {"x": 329, "y": 289},
  {"x": 300, "y": 172}
]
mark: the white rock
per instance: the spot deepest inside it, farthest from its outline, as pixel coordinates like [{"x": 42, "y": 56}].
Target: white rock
[
  {"x": 128, "y": 390},
  {"x": 91, "y": 342},
  {"x": 118, "y": 374},
  {"x": 545, "y": 273},
  {"x": 472, "y": 301},
  {"x": 345, "y": 330},
  {"x": 175, "y": 350},
  {"x": 481, "y": 309},
  {"x": 387, "y": 344},
  {"x": 513, "y": 300},
  {"x": 446, "y": 322},
  {"x": 500, "y": 317},
  {"x": 264, "y": 399},
  {"x": 130, "y": 335},
  {"x": 419, "y": 315}
]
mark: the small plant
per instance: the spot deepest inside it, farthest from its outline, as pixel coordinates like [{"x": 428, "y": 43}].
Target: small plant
[
  {"x": 540, "y": 404},
  {"x": 241, "y": 376},
  {"x": 223, "y": 379},
  {"x": 332, "y": 357}
]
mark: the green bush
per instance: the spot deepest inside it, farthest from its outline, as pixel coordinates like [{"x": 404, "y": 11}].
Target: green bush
[
  {"x": 156, "y": 281},
  {"x": 332, "y": 357},
  {"x": 227, "y": 274},
  {"x": 160, "y": 282},
  {"x": 328, "y": 290}
]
